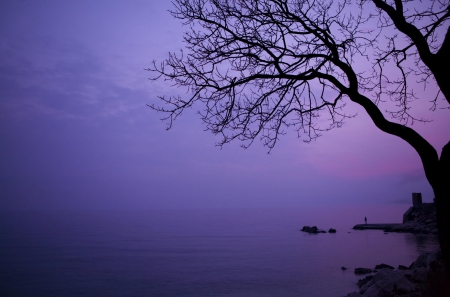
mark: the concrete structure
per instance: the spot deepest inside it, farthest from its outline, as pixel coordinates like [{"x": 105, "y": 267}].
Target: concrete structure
[
  {"x": 407, "y": 214},
  {"x": 417, "y": 199},
  {"x": 374, "y": 226},
  {"x": 417, "y": 206}
]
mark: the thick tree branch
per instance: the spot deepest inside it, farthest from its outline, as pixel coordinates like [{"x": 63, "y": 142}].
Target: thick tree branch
[
  {"x": 396, "y": 15},
  {"x": 426, "y": 151},
  {"x": 438, "y": 63}
]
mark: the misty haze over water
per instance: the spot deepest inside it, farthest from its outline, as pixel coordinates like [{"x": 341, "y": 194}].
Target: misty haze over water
[{"x": 226, "y": 252}]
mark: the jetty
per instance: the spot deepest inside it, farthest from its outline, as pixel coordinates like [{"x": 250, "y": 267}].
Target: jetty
[
  {"x": 419, "y": 219},
  {"x": 375, "y": 226}
]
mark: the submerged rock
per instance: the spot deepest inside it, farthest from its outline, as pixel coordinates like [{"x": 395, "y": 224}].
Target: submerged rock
[{"x": 332, "y": 230}]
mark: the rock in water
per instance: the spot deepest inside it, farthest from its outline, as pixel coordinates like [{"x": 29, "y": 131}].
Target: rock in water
[{"x": 313, "y": 230}]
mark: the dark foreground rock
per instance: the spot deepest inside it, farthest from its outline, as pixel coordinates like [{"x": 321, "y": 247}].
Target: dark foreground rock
[
  {"x": 364, "y": 281},
  {"x": 424, "y": 278}
]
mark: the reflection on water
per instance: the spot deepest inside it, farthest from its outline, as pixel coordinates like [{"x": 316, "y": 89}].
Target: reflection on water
[{"x": 422, "y": 242}]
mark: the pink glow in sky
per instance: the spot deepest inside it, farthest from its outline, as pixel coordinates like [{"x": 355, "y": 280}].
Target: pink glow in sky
[{"x": 76, "y": 133}]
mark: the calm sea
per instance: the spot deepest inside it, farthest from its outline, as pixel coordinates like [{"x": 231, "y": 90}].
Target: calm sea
[{"x": 190, "y": 253}]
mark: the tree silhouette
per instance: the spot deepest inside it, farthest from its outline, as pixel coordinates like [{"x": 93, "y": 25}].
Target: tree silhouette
[{"x": 259, "y": 67}]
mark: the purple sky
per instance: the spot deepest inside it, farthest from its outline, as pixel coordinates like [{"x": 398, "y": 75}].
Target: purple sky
[{"x": 75, "y": 131}]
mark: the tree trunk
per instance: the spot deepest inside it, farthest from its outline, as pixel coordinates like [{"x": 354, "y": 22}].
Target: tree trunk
[
  {"x": 441, "y": 66},
  {"x": 442, "y": 193},
  {"x": 437, "y": 170}
]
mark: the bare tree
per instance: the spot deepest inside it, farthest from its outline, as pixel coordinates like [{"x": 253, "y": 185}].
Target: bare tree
[{"x": 259, "y": 67}]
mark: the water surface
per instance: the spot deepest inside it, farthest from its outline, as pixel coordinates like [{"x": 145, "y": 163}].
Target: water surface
[{"x": 190, "y": 253}]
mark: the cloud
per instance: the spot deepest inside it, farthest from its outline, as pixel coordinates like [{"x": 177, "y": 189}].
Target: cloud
[
  {"x": 75, "y": 84},
  {"x": 75, "y": 130}
]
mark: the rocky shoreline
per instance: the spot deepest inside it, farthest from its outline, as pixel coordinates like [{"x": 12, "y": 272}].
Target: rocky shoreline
[
  {"x": 424, "y": 277},
  {"x": 418, "y": 220}
]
